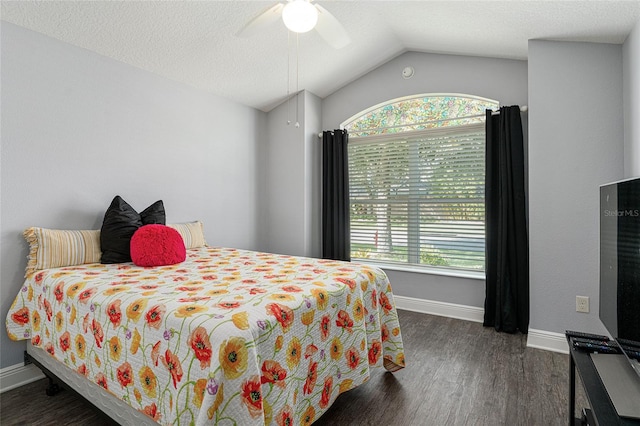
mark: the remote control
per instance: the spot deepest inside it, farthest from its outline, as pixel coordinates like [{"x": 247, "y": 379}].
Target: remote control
[
  {"x": 582, "y": 335},
  {"x": 630, "y": 343},
  {"x": 592, "y": 341},
  {"x": 590, "y": 347},
  {"x": 632, "y": 352}
]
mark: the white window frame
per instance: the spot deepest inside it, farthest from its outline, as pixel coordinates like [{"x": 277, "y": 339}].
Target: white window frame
[{"x": 416, "y": 267}]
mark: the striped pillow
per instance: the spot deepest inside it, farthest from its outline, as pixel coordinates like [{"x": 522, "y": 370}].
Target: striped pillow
[
  {"x": 192, "y": 234},
  {"x": 54, "y": 248}
]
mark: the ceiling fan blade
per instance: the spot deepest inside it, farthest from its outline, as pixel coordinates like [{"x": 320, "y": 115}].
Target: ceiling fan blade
[
  {"x": 330, "y": 29},
  {"x": 262, "y": 21}
]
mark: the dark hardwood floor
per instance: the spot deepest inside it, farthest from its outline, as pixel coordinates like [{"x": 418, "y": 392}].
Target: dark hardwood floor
[
  {"x": 461, "y": 373},
  {"x": 29, "y": 405},
  {"x": 458, "y": 373}
]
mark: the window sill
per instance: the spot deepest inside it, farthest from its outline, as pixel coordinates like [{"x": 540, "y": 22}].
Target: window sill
[{"x": 424, "y": 270}]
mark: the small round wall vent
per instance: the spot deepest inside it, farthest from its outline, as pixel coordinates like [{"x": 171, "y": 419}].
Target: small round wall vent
[{"x": 408, "y": 72}]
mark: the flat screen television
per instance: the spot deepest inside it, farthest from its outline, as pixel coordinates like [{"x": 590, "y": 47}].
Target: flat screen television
[{"x": 620, "y": 265}]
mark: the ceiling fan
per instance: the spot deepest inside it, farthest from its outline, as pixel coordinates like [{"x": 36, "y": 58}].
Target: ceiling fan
[{"x": 300, "y": 16}]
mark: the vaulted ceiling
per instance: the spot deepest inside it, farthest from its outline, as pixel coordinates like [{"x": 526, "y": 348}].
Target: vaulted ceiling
[{"x": 195, "y": 42}]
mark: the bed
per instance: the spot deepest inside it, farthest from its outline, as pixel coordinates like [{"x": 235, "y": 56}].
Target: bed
[{"x": 226, "y": 337}]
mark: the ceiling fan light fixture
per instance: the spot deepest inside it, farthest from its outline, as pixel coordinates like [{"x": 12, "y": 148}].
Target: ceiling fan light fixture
[{"x": 300, "y": 16}]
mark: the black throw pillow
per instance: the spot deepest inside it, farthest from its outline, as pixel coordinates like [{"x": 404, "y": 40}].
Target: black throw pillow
[
  {"x": 119, "y": 224},
  {"x": 154, "y": 214}
]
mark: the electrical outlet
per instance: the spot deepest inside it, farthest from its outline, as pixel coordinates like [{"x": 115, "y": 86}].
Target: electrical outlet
[{"x": 582, "y": 304}]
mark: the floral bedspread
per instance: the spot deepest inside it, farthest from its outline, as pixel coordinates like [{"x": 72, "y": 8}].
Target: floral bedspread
[{"x": 226, "y": 337}]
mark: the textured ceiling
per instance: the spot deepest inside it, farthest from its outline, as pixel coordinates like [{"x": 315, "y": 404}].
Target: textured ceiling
[{"x": 194, "y": 41}]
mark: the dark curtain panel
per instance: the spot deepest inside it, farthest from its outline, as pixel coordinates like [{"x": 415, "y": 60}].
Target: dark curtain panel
[
  {"x": 506, "y": 306},
  {"x": 336, "y": 242}
]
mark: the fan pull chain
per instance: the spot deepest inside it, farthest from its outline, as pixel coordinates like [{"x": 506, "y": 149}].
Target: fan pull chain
[
  {"x": 288, "y": 77},
  {"x": 297, "y": 77}
]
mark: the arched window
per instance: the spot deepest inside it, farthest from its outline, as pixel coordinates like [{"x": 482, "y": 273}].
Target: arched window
[
  {"x": 419, "y": 113},
  {"x": 416, "y": 182}
]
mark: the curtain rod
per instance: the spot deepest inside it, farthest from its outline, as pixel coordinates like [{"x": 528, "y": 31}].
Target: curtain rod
[{"x": 523, "y": 108}]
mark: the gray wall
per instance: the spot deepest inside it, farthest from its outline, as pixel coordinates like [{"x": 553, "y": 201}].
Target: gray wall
[
  {"x": 499, "y": 79},
  {"x": 313, "y": 174},
  {"x": 282, "y": 180},
  {"x": 631, "y": 82},
  {"x": 79, "y": 128},
  {"x": 576, "y": 143},
  {"x": 289, "y": 172}
]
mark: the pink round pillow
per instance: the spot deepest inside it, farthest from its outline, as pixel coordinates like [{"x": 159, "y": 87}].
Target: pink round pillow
[{"x": 157, "y": 245}]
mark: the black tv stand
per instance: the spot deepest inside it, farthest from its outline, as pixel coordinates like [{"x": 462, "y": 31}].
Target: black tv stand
[{"x": 602, "y": 411}]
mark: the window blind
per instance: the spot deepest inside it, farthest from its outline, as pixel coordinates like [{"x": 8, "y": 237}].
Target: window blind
[{"x": 418, "y": 197}]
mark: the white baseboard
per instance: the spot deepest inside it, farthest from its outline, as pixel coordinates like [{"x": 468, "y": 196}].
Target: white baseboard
[
  {"x": 443, "y": 309},
  {"x": 18, "y": 375},
  {"x": 547, "y": 340},
  {"x": 539, "y": 339}
]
